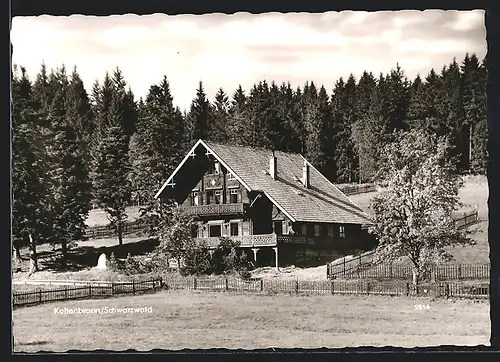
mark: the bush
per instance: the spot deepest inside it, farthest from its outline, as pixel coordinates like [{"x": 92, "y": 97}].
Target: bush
[
  {"x": 197, "y": 259},
  {"x": 245, "y": 274},
  {"x": 225, "y": 257}
]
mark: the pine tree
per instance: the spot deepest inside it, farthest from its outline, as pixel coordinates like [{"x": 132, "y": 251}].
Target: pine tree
[
  {"x": 344, "y": 117},
  {"x": 160, "y": 143},
  {"x": 198, "y": 116},
  {"x": 31, "y": 222},
  {"x": 219, "y": 131},
  {"x": 479, "y": 161},
  {"x": 317, "y": 120},
  {"x": 111, "y": 183},
  {"x": 237, "y": 117},
  {"x": 474, "y": 102},
  {"x": 69, "y": 172},
  {"x": 289, "y": 114}
]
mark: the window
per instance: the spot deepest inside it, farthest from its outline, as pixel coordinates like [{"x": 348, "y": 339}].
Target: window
[
  {"x": 317, "y": 230},
  {"x": 217, "y": 168},
  {"x": 210, "y": 197},
  {"x": 278, "y": 227},
  {"x": 233, "y": 197},
  {"x": 230, "y": 176},
  {"x": 215, "y": 230},
  {"x": 342, "y": 232},
  {"x": 303, "y": 229},
  {"x": 194, "y": 230},
  {"x": 218, "y": 197},
  {"x": 234, "y": 227},
  {"x": 194, "y": 199},
  {"x": 329, "y": 230}
]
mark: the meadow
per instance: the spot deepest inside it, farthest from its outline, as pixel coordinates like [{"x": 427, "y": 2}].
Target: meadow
[
  {"x": 474, "y": 192},
  {"x": 190, "y": 319}
]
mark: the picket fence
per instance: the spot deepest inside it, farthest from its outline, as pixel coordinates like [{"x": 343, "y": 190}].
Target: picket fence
[
  {"x": 394, "y": 271},
  {"x": 361, "y": 265},
  {"x": 232, "y": 284},
  {"x": 86, "y": 291}
]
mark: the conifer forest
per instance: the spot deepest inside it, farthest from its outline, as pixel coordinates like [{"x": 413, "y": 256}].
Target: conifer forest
[{"x": 73, "y": 149}]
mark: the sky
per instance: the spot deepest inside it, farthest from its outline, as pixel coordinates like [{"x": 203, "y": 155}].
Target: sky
[{"x": 227, "y": 50}]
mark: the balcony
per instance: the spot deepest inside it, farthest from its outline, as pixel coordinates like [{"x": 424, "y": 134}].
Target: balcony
[
  {"x": 270, "y": 240},
  {"x": 245, "y": 240},
  {"x": 214, "y": 209}
]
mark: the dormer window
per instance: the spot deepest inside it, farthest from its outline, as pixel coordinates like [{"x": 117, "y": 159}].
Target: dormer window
[{"x": 342, "y": 231}]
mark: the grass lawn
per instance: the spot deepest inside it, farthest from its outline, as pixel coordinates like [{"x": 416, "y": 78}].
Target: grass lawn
[
  {"x": 474, "y": 192},
  {"x": 190, "y": 319}
]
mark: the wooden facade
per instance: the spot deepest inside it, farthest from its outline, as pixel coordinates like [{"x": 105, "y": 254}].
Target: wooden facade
[{"x": 223, "y": 206}]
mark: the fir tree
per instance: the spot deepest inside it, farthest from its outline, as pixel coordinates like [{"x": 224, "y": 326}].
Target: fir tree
[
  {"x": 69, "y": 172},
  {"x": 111, "y": 183},
  {"x": 218, "y": 131},
  {"x": 198, "y": 116},
  {"x": 31, "y": 219}
]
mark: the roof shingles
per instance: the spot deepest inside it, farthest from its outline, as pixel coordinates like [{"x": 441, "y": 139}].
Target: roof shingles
[{"x": 321, "y": 202}]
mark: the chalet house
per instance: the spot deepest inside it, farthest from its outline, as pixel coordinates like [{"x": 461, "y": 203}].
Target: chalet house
[{"x": 281, "y": 209}]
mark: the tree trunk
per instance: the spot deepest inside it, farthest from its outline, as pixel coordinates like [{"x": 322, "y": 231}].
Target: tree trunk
[
  {"x": 64, "y": 250},
  {"x": 17, "y": 255},
  {"x": 120, "y": 236},
  {"x": 33, "y": 256},
  {"x": 415, "y": 276}
]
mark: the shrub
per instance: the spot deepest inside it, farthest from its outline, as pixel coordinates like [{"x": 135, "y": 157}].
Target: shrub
[
  {"x": 197, "y": 259},
  {"x": 225, "y": 258}
]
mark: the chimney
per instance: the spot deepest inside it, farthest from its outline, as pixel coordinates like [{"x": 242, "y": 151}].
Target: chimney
[
  {"x": 305, "y": 174},
  {"x": 273, "y": 166}
]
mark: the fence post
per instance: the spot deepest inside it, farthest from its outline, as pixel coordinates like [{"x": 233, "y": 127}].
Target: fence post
[
  {"x": 65, "y": 292},
  {"x": 227, "y": 285},
  {"x": 154, "y": 287},
  {"x": 447, "y": 290},
  {"x": 112, "y": 288},
  {"x": 90, "y": 290},
  {"x": 459, "y": 271},
  {"x": 194, "y": 283},
  {"x": 161, "y": 282},
  {"x": 327, "y": 271},
  {"x": 367, "y": 287},
  {"x": 261, "y": 285},
  {"x": 133, "y": 286},
  {"x": 40, "y": 296},
  {"x": 390, "y": 271},
  {"x": 343, "y": 272},
  {"x": 296, "y": 286},
  {"x": 407, "y": 289},
  {"x": 332, "y": 286}
]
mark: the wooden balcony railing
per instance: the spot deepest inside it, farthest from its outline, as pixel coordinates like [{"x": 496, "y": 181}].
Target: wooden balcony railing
[
  {"x": 215, "y": 209},
  {"x": 273, "y": 240},
  {"x": 245, "y": 240}
]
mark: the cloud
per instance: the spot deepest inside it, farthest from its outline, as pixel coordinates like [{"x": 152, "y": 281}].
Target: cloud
[{"x": 228, "y": 50}]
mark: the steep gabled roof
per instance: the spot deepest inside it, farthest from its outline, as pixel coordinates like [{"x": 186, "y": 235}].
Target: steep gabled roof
[{"x": 321, "y": 202}]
